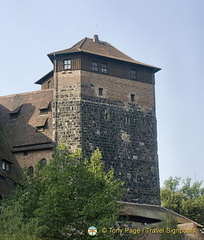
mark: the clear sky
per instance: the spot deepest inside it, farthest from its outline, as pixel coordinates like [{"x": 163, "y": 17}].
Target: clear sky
[{"x": 165, "y": 33}]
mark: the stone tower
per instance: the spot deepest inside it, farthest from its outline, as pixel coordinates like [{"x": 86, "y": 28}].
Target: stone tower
[{"x": 103, "y": 98}]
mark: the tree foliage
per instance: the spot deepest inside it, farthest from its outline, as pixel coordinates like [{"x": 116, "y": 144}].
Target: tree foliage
[
  {"x": 187, "y": 199},
  {"x": 63, "y": 199},
  {"x": 169, "y": 222}
]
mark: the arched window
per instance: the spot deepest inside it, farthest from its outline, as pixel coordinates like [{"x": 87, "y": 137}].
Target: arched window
[
  {"x": 43, "y": 162},
  {"x": 30, "y": 170}
]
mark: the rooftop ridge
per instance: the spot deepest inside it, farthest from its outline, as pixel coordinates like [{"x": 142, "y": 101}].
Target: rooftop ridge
[
  {"x": 26, "y": 93},
  {"x": 100, "y": 48},
  {"x": 82, "y": 42}
]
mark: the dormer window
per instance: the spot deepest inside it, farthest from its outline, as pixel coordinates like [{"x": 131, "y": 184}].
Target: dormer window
[
  {"x": 133, "y": 74},
  {"x": 41, "y": 123},
  {"x": 5, "y": 165},
  {"x": 44, "y": 107},
  {"x": 94, "y": 66},
  {"x": 15, "y": 113},
  {"x": 67, "y": 64}
]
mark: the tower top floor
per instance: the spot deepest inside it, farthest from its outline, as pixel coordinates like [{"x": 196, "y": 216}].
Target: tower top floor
[
  {"x": 98, "y": 56},
  {"x": 99, "y": 48}
]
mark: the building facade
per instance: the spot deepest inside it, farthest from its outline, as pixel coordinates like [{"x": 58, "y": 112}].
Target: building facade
[{"x": 95, "y": 96}]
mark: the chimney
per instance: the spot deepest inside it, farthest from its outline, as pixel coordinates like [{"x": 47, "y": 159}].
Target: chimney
[{"x": 96, "y": 39}]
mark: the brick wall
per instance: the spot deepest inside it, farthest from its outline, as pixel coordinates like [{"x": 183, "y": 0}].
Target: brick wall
[
  {"x": 31, "y": 158},
  {"x": 118, "y": 89}
]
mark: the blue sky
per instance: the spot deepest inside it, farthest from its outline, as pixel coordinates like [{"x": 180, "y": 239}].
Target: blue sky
[{"x": 163, "y": 33}]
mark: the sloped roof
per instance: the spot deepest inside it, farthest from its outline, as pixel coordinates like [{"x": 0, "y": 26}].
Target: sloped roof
[
  {"x": 28, "y": 119},
  {"x": 41, "y": 121},
  {"x": 5, "y": 189},
  {"x": 153, "y": 212},
  {"x": 15, "y": 173},
  {"x": 101, "y": 48},
  {"x": 46, "y": 77}
]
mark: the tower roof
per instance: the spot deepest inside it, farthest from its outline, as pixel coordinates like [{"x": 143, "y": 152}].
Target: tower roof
[{"x": 100, "y": 48}]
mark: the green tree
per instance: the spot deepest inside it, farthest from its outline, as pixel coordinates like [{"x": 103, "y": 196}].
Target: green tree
[
  {"x": 187, "y": 199},
  {"x": 63, "y": 199},
  {"x": 169, "y": 224}
]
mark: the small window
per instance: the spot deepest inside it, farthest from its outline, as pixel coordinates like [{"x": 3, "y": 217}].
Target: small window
[
  {"x": 107, "y": 115},
  {"x": 25, "y": 153},
  {"x": 43, "y": 111},
  {"x": 133, "y": 74},
  {"x": 43, "y": 163},
  {"x": 127, "y": 120},
  {"x": 132, "y": 97},
  {"x": 67, "y": 64},
  {"x": 41, "y": 124},
  {"x": 94, "y": 66},
  {"x": 15, "y": 113},
  {"x": 104, "y": 68},
  {"x": 44, "y": 107},
  {"x": 30, "y": 170},
  {"x": 5, "y": 165},
  {"x": 40, "y": 129},
  {"x": 13, "y": 116},
  {"x": 49, "y": 84},
  {"x": 100, "y": 91}
]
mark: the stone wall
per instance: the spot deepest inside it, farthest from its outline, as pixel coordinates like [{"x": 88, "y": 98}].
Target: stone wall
[
  {"x": 126, "y": 137},
  {"x": 124, "y": 130},
  {"x": 67, "y": 110}
]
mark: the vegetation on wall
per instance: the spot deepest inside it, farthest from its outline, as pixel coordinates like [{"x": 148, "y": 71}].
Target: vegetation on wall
[{"x": 62, "y": 200}]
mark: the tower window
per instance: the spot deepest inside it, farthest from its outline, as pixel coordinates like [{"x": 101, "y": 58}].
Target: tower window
[
  {"x": 94, "y": 66},
  {"x": 127, "y": 120},
  {"x": 67, "y": 64},
  {"x": 133, "y": 74},
  {"x": 104, "y": 68},
  {"x": 100, "y": 91},
  {"x": 132, "y": 97},
  {"x": 107, "y": 115}
]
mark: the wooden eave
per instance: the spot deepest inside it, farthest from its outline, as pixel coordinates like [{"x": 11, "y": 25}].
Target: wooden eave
[
  {"x": 101, "y": 48},
  {"x": 45, "y": 78}
]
